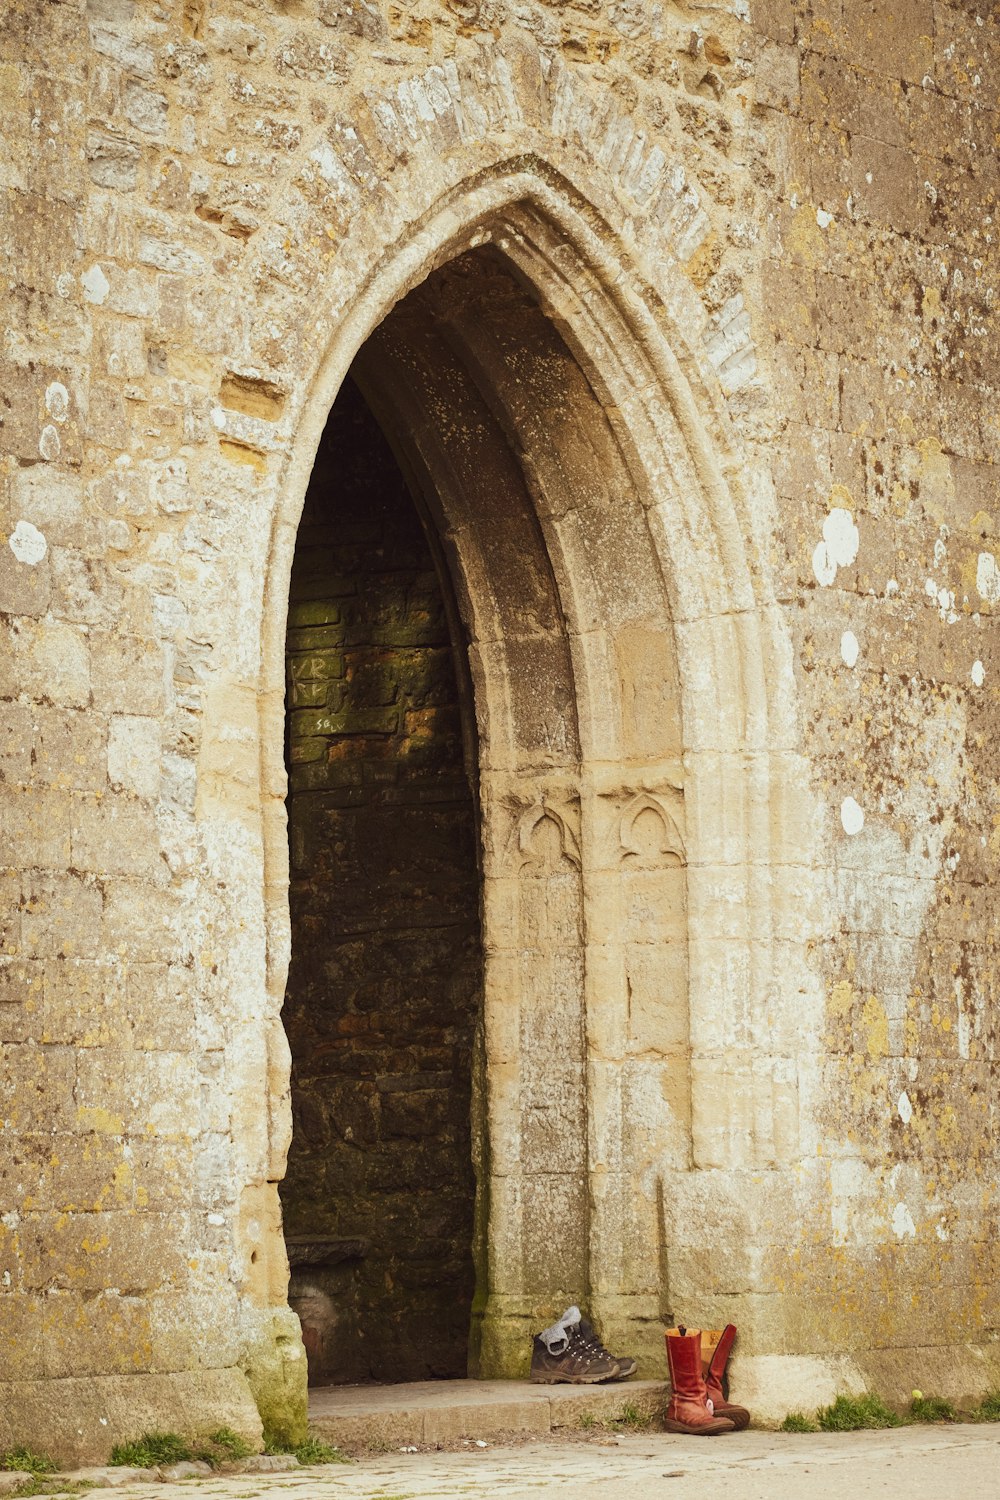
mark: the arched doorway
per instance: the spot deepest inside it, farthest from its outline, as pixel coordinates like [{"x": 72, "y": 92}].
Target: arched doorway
[
  {"x": 521, "y": 477},
  {"x": 565, "y": 467}
]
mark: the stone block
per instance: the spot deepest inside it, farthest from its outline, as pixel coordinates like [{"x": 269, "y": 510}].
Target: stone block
[
  {"x": 142, "y": 923},
  {"x": 36, "y": 1087},
  {"x": 269, "y": 1463},
  {"x": 83, "y": 1001},
  {"x": 134, "y": 744},
  {"x": 68, "y": 748},
  {"x": 102, "y": 1180},
  {"x": 35, "y": 820},
  {"x": 60, "y": 917},
  {"x": 125, "y": 1253},
  {"x": 21, "y": 1331},
  {"x": 168, "y": 1087},
  {"x": 84, "y": 1416},
  {"x": 114, "y": 835},
  {"x": 128, "y": 672},
  {"x": 15, "y": 743},
  {"x": 20, "y": 999},
  {"x": 100, "y": 1478},
  {"x": 25, "y": 585},
  {"x": 52, "y": 662},
  {"x": 115, "y": 1339},
  {"x": 52, "y": 500}
]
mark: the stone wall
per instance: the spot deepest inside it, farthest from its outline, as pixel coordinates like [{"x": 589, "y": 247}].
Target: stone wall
[
  {"x": 878, "y": 306},
  {"x": 385, "y": 982},
  {"x": 749, "y": 458}
]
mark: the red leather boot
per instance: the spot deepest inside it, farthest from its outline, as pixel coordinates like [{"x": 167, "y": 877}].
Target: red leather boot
[
  {"x": 715, "y": 1347},
  {"x": 690, "y": 1409}
]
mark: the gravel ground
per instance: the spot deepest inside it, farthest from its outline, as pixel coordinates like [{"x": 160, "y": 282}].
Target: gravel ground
[{"x": 916, "y": 1463}]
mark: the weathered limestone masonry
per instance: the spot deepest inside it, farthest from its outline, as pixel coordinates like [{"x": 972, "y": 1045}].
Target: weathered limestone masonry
[{"x": 681, "y": 320}]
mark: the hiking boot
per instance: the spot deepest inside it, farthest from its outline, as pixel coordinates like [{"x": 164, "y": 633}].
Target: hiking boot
[
  {"x": 626, "y": 1364},
  {"x": 560, "y": 1355}
]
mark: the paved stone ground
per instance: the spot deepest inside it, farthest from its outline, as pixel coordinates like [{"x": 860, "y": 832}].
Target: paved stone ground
[{"x": 917, "y": 1463}]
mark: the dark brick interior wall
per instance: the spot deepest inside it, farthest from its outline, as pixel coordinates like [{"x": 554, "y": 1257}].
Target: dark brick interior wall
[{"x": 386, "y": 970}]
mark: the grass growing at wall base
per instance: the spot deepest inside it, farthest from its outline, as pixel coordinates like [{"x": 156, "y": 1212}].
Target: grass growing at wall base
[
  {"x": 27, "y": 1461},
  {"x": 155, "y": 1449},
  {"x": 312, "y": 1450},
  {"x": 869, "y": 1411},
  {"x": 932, "y": 1409},
  {"x": 797, "y": 1421},
  {"x": 150, "y": 1450}
]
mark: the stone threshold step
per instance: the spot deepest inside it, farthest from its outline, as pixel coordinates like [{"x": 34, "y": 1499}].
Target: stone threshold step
[{"x": 443, "y": 1411}]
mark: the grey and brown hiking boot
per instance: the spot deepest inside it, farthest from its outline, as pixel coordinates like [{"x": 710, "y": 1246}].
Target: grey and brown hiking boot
[
  {"x": 626, "y": 1364},
  {"x": 560, "y": 1355}
]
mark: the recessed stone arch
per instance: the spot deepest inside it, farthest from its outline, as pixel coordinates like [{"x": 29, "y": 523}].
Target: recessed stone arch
[{"x": 664, "y": 691}]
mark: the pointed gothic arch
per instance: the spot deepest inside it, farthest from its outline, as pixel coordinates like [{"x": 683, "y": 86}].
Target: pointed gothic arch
[{"x": 620, "y": 651}]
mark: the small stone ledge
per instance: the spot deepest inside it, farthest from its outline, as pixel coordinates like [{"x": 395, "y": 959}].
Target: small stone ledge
[{"x": 432, "y": 1412}]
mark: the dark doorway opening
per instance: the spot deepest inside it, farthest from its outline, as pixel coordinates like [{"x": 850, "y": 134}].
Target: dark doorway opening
[{"x": 385, "y": 983}]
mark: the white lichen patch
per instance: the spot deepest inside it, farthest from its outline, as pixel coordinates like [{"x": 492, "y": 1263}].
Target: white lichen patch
[
  {"x": 27, "y": 543},
  {"x": 978, "y": 673},
  {"x": 96, "y": 285},
  {"x": 903, "y": 1226},
  {"x": 988, "y": 578},
  {"x": 904, "y": 1108},
  {"x": 49, "y": 445},
  {"x": 839, "y": 546},
  {"x": 849, "y": 648},
  {"x": 852, "y": 815},
  {"x": 57, "y": 401}
]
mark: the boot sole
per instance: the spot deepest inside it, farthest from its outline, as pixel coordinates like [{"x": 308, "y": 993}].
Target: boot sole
[
  {"x": 709, "y": 1430},
  {"x": 571, "y": 1379}
]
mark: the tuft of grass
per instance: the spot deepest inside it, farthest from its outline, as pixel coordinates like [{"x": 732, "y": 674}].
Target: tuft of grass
[
  {"x": 27, "y": 1460},
  {"x": 315, "y": 1451},
  {"x": 797, "y": 1421},
  {"x": 151, "y": 1450},
  {"x": 854, "y": 1413},
  {"x": 220, "y": 1447},
  {"x": 312, "y": 1450},
  {"x": 932, "y": 1409},
  {"x": 631, "y": 1418},
  {"x": 587, "y": 1421},
  {"x": 988, "y": 1409}
]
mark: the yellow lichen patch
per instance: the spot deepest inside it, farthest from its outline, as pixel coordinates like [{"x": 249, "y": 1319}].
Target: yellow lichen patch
[
  {"x": 94, "y": 1117},
  {"x": 841, "y": 998},
  {"x": 840, "y": 498},
  {"x": 930, "y": 305},
  {"x": 705, "y": 260},
  {"x": 123, "y": 1182},
  {"x": 875, "y": 1025}
]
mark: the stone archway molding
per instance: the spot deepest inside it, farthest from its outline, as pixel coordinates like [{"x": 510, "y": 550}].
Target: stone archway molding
[{"x": 722, "y": 793}]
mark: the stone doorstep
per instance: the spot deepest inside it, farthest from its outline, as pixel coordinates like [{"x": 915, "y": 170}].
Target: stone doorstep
[{"x": 441, "y": 1411}]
